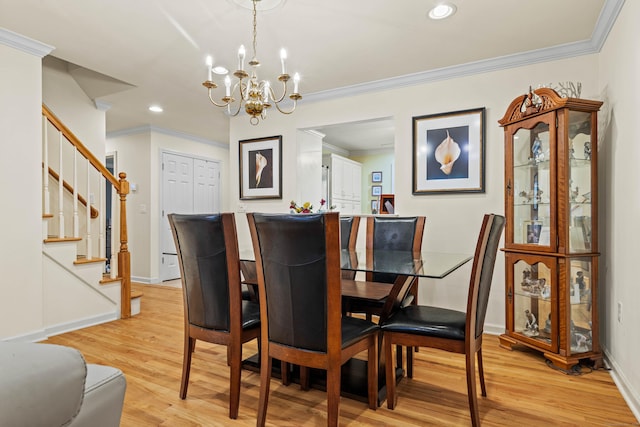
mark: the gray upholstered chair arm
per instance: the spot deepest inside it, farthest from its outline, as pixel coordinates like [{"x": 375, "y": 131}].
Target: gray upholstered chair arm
[{"x": 40, "y": 384}]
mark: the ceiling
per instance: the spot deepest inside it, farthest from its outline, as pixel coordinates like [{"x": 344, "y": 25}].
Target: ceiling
[{"x": 131, "y": 54}]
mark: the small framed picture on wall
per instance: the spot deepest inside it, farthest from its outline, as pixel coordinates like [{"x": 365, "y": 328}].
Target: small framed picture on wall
[
  {"x": 376, "y": 176},
  {"x": 376, "y": 190}
]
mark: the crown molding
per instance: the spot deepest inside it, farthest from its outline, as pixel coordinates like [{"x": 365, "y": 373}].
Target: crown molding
[
  {"x": 164, "y": 131},
  {"x": 24, "y": 44},
  {"x": 605, "y": 22}
]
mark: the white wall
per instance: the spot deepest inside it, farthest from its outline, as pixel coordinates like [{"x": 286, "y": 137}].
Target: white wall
[
  {"x": 21, "y": 296},
  {"x": 139, "y": 155},
  {"x": 72, "y": 106},
  {"x": 619, "y": 82}
]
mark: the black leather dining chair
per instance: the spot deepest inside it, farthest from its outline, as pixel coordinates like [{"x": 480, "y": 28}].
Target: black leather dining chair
[
  {"x": 214, "y": 310},
  {"x": 449, "y": 330},
  {"x": 390, "y": 233},
  {"x": 299, "y": 280}
]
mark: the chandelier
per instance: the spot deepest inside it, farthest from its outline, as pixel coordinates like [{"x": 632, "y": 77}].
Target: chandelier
[{"x": 256, "y": 95}]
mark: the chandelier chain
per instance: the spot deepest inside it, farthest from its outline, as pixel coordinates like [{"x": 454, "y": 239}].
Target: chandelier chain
[{"x": 255, "y": 30}]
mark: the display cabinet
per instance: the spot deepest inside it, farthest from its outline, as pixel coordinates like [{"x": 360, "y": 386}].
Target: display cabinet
[{"x": 551, "y": 238}]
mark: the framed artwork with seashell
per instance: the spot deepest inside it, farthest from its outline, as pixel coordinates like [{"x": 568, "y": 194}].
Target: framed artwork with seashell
[
  {"x": 448, "y": 152},
  {"x": 261, "y": 168}
]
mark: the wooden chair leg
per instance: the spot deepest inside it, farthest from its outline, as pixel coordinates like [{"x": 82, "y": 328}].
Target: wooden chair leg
[
  {"x": 333, "y": 395},
  {"x": 483, "y": 388},
  {"x": 236, "y": 369},
  {"x": 471, "y": 389},
  {"x": 410, "y": 361},
  {"x": 189, "y": 344},
  {"x": 372, "y": 372},
  {"x": 265, "y": 379},
  {"x": 390, "y": 372},
  {"x": 304, "y": 377},
  {"x": 284, "y": 373},
  {"x": 399, "y": 361}
]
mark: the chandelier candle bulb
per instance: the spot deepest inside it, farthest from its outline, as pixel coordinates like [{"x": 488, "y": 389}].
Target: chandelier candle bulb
[
  {"x": 283, "y": 57},
  {"x": 296, "y": 81},
  {"x": 209, "y": 65},
  {"x": 227, "y": 85},
  {"x": 241, "y": 53},
  {"x": 267, "y": 88}
]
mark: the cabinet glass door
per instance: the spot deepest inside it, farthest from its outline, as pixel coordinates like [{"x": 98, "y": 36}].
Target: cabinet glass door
[
  {"x": 581, "y": 302},
  {"x": 534, "y": 290},
  {"x": 532, "y": 177},
  {"x": 580, "y": 167}
]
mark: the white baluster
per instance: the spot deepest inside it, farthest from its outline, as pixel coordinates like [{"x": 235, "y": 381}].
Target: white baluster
[
  {"x": 101, "y": 217},
  {"x": 115, "y": 225},
  {"x": 76, "y": 222},
  {"x": 60, "y": 191},
  {"x": 89, "y": 245},
  {"x": 45, "y": 175}
]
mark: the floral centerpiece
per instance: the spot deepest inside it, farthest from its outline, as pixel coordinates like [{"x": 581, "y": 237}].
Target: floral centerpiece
[{"x": 306, "y": 207}]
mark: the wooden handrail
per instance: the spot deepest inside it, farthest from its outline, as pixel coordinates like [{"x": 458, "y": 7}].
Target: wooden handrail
[
  {"x": 69, "y": 188},
  {"x": 80, "y": 147},
  {"x": 121, "y": 186}
]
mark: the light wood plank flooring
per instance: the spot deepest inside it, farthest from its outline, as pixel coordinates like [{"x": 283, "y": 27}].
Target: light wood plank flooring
[{"x": 521, "y": 389}]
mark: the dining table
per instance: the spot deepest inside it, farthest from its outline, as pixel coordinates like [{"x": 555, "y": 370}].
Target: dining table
[{"x": 426, "y": 264}]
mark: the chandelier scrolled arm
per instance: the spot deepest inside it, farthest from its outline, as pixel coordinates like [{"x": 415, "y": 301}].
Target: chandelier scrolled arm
[{"x": 257, "y": 96}]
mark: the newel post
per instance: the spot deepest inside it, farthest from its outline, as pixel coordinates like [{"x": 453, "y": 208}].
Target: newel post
[{"x": 124, "y": 257}]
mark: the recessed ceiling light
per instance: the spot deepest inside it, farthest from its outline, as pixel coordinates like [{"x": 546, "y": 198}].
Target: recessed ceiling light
[
  {"x": 220, "y": 70},
  {"x": 156, "y": 109},
  {"x": 442, "y": 11}
]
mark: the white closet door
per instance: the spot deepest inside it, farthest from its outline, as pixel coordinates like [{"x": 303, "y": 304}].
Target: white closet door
[
  {"x": 206, "y": 186},
  {"x": 177, "y": 197}
]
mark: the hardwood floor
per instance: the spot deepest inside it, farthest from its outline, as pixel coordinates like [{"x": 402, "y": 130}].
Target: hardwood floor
[{"x": 521, "y": 389}]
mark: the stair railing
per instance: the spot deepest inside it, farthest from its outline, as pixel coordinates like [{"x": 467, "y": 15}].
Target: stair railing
[{"x": 121, "y": 187}]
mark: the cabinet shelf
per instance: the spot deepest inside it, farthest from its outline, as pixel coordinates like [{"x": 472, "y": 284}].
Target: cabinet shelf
[
  {"x": 551, "y": 248},
  {"x": 532, "y": 164}
]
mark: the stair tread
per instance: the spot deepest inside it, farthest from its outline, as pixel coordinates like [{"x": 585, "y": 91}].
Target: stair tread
[
  {"x": 85, "y": 260},
  {"x": 62, "y": 239},
  {"x": 108, "y": 279},
  {"x": 136, "y": 294}
]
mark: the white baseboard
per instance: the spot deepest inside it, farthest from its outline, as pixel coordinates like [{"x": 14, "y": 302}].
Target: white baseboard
[
  {"x": 33, "y": 336},
  {"x": 81, "y": 323},
  {"x": 494, "y": 329},
  {"x": 631, "y": 396},
  {"x": 146, "y": 280}
]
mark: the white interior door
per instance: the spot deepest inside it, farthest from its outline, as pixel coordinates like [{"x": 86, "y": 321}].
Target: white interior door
[
  {"x": 177, "y": 197},
  {"x": 189, "y": 185}
]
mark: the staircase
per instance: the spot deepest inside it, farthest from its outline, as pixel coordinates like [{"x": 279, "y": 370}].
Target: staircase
[{"x": 78, "y": 292}]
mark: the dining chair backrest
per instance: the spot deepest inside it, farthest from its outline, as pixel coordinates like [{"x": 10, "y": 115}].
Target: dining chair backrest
[
  {"x": 208, "y": 256},
  {"x": 484, "y": 261},
  {"x": 300, "y": 262},
  {"x": 394, "y": 234},
  {"x": 349, "y": 231}
]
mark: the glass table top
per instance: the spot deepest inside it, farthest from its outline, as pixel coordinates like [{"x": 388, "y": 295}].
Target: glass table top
[{"x": 422, "y": 264}]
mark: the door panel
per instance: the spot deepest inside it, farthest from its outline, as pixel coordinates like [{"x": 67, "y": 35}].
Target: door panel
[{"x": 177, "y": 189}]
